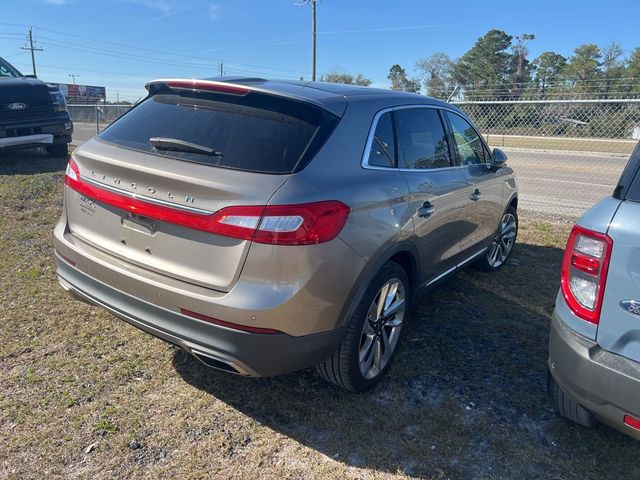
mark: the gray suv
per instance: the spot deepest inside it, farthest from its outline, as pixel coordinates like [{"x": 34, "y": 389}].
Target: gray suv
[
  {"x": 268, "y": 226},
  {"x": 594, "y": 350}
]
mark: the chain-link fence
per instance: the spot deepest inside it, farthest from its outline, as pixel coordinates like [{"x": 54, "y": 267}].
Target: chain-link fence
[
  {"x": 92, "y": 119},
  {"x": 567, "y": 154}
]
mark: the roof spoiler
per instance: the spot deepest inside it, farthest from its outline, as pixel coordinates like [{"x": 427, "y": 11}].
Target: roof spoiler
[{"x": 237, "y": 89}]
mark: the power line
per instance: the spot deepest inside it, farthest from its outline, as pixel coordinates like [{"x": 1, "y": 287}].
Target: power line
[
  {"x": 156, "y": 61},
  {"x": 57, "y": 67},
  {"x": 159, "y": 52}
]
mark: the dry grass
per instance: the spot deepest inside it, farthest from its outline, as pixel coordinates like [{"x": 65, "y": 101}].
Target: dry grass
[
  {"x": 621, "y": 147},
  {"x": 84, "y": 395}
]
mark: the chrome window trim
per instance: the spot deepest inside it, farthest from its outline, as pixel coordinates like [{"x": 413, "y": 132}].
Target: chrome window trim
[
  {"x": 372, "y": 130},
  {"x": 145, "y": 198},
  {"x": 365, "y": 157}
]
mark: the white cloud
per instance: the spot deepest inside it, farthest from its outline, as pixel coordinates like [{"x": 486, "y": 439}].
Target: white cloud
[
  {"x": 169, "y": 8},
  {"x": 214, "y": 11},
  {"x": 161, "y": 5}
]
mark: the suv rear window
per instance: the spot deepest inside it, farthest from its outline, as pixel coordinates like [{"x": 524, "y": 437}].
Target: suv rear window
[
  {"x": 255, "y": 132},
  {"x": 628, "y": 187}
]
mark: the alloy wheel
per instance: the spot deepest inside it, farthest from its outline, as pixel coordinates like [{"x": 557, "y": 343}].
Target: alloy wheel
[
  {"x": 381, "y": 329},
  {"x": 504, "y": 241}
]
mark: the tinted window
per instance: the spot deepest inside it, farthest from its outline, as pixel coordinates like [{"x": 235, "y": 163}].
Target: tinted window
[
  {"x": 629, "y": 184},
  {"x": 422, "y": 142},
  {"x": 383, "y": 152},
  {"x": 257, "y": 133},
  {"x": 634, "y": 191},
  {"x": 7, "y": 71},
  {"x": 468, "y": 143}
]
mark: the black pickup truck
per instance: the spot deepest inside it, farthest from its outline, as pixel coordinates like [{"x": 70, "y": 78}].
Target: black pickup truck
[{"x": 32, "y": 113}]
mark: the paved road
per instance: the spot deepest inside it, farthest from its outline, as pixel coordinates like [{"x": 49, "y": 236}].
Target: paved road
[
  {"x": 566, "y": 183},
  {"x": 83, "y": 132}
]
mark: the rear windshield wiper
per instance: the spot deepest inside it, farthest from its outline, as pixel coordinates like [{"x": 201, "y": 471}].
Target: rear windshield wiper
[{"x": 177, "y": 145}]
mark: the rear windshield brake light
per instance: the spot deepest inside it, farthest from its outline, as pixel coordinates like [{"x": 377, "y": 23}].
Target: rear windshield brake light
[
  {"x": 219, "y": 87},
  {"x": 301, "y": 224}
]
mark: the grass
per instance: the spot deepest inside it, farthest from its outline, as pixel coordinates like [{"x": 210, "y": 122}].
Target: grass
[
  {"x": 562, "y": 144},
  {"x": 84, "y": 395}
]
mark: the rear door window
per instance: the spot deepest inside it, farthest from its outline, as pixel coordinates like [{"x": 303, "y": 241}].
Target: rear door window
[
  {"x": 422, "y": 141},
  {"x": 256, "y": 132}
]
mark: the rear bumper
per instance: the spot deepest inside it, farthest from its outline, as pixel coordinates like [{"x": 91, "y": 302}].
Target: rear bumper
[
  {"x": 219, "y": 347},
  {"x": 606, "y": 384}
]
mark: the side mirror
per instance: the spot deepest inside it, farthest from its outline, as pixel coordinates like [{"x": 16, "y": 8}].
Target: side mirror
[{"x": 498, "y": 158}]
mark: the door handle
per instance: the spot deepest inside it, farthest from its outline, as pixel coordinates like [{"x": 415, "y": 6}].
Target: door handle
[
  {"x": 475, "y": 196},
  {"x": 426, "y": 210}
]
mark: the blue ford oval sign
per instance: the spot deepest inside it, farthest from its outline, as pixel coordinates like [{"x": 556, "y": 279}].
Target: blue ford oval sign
[{"x": 631, "y": 306}]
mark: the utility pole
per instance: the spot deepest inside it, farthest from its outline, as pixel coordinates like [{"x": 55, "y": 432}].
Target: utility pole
[
  {"x": 73, "y": 76},
  {"x": 222, "y": 69},
  {"x": 313, "y": 43},
  {"x": 33, "y": 49}
]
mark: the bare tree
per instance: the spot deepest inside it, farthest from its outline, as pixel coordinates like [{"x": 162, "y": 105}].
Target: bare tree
[
  {"x": 612, "y": 65},
  {"x": 520, "y": 62},
  {"x": 436, "y": 73}
]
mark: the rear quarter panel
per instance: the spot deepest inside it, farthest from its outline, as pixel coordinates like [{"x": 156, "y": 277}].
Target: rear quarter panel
[
  {"x": 378, "y": 199},
  {"x": 379, "y": 221},
  {"x": 619, "y": 329}
]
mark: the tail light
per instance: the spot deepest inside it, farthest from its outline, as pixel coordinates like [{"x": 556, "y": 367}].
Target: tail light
[
  {"x": 73, "y": 172},
  {"x": 584, "y": 272},
  {"x": 301, "y": 224}
]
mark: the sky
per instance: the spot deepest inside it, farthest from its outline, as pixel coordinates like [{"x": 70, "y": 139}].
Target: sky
[{"x": 121, "y": 44}]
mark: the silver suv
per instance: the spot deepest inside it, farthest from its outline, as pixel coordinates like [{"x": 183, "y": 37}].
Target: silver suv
[
  {"x": 594, "y": 350},
  {"x": 268, "y": 226}
]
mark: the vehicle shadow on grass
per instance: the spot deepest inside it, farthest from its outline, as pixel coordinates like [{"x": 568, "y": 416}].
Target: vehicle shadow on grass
[
  {"x": 466, "y": 394},
  {"x": 30, "y": 162}
]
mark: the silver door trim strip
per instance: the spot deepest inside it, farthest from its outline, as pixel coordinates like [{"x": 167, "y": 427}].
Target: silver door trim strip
[
  {"x": 144, "y": 198},
  {"x": 453, "y": 269}
]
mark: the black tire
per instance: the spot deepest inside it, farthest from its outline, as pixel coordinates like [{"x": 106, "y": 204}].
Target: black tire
[
  {"x": 566, "y": 406},
  {"x": 60, "y": 150},
  {"x": 484, "y": 262},
  {"x": 342, "y": 368}
]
